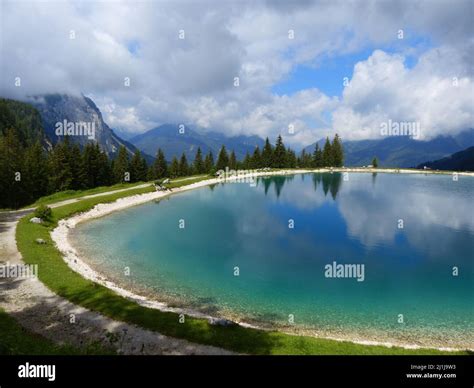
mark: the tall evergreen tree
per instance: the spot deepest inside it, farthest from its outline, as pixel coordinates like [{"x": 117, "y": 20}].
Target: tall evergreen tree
[
  {"x": 198, "y": 162},
  {"x": 104, "y": 175},
  {"x": 4, "y": 171},
  {"x": 337, "y": 152},
  {"x": 256, "y": 160},
  {"x": 60, "y": 169},
  {"x": 183, "y": 165},
  {"x": 138, "y": 167},
  {"x": 317, "y": 157},
  {"x": 305, "y": 159},
  {"x": 79, "y": 178},
  {"x": 90, "y": 164},
  {"x": 174, "y": 167},
  {"x": 290, "y": 159},
  {"x": 232, "y": 161},
  {"x": 267, "y": 154},
  {"x": 279, "y": 154},
  {"x": 160, "y": 167},
  {"x": 247, "y": 162},
  {"x": 327, "y": 154},
  {"x": 222, "y": 159},
  {"x": 209, "y": 163},
  {"x": 121, "y": 165},
  {"x": 12, "y": 171},
  {"x": 300, "y": 159},
  {"x": 143, "y": 169},
  {"x": 36, "y": 171}
]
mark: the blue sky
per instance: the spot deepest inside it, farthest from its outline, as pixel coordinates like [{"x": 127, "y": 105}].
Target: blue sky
[{"x": 328, "y": 75}]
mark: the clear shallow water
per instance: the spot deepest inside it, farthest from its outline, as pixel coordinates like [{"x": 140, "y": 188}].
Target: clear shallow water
[{"x": 407, "y": 271}]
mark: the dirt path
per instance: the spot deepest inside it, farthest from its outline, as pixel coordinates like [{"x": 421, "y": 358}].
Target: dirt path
[
  {"x": 40, "y": 310},
  {"x": 72, "y": 200}
]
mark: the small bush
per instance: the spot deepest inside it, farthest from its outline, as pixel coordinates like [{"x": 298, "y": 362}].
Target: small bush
[{"x": 43, "y": 212}]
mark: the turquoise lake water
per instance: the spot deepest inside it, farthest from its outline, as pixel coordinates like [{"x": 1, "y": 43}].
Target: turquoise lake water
[{"x": 410, "y": 292}]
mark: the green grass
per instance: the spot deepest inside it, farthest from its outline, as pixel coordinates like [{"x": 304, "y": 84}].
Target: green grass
[
  {"x": 72, "y": 194},
  {"x": 184, "y": 182},
  {"x": 55, "y": 274},
  {"x": 14, "y": 339}
]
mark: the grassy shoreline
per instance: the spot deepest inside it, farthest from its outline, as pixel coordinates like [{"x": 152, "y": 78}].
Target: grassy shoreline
[{"x": 56, "y": 275}]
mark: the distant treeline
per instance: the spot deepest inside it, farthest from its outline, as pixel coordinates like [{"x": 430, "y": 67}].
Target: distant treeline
[
  {"x": 28, "y": 171},
  {"x": 277, "y": 156}
]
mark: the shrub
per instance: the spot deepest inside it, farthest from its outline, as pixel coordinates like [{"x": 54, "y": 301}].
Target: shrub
[{"x": 43, "y": 212}]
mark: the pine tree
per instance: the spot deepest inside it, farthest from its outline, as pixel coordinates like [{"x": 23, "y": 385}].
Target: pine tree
[
  {"x": 174, "y": 167},
  {"x": 337, "y": 152},
  {"x": 267, "y": 154},
  {"x": 306, "y": 160},
  {"x": 279, "y": 154},
  {"x": 79, "y": 178},
  {"x": 209, "y": 163},
  {"x": 143, "y": 173},
  {"x": 183, "y": 168},
  {"x": 121, "y": 166},
  {"x": 327, "y": 154},
  {"x": 302, "y": 158},
  {"x": 4, "y": 173},
  {"x": 150, "y": 175},
  {"x": 256, "y": 159},
  {"x": 90, "y": 163},
  {"x": 36, "y": 171},
  {"x": 198, "y": 162},
  {"x": 12, "y": 173},
  {"x": 160, "y": 168},
  {"x": 317, "y": 157},
  {"x": 60, "y": 169},
  {"x": 290, "y": 159},
  {"x": 375, "y": 162},
  {"x": 232, "y": 161},
  {"x": 138, "y": 167},
  {"x": 18, "y": 193},
  {"x": 222, "y": 159},
  {"x": 104, "y": 175},
  {"x": 247, "y": 162}
]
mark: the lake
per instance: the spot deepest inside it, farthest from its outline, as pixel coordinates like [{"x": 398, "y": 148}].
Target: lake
[{"x": 290, "y": 252}]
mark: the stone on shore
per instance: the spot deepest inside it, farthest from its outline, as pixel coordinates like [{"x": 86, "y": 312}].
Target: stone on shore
[{"x": 221, "y": 322}]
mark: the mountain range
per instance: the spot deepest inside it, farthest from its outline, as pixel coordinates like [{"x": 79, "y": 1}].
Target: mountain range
[
  {"x": 460, "y": 161},
  {"x": 175, "y": 139},
  {"x": 62, "y": 108}
]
